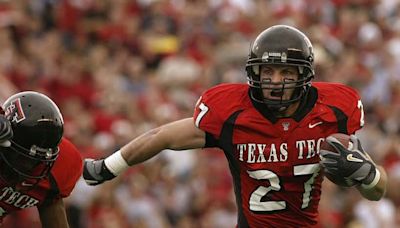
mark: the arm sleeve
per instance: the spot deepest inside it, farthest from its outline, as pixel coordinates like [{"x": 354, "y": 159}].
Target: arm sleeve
[
  {"x": 345, "y": 103},
  {"x": 356, "y": 112},
  {"x": 215, "y": 106},
  {"x": 208, "y": 113}
]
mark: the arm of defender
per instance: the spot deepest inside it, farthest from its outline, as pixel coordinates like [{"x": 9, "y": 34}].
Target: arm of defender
[
  {"x": 178, "y": 135},
  {"x": 53, "y": 215}
]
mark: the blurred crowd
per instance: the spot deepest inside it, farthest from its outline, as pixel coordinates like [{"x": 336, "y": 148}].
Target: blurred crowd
[{"x": 117, "y": 68}]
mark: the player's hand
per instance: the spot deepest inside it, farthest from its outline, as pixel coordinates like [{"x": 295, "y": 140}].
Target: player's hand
[
  {"x": 353, "y": 163},
  {"x": 6, "y": 132},
  {"x": 96, "y": 172}
]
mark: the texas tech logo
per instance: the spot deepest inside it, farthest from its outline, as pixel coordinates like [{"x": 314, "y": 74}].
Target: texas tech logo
[{"x": 14, "y": 111}]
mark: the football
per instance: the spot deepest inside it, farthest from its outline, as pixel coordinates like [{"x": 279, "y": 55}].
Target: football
[{"x": 345, "y": 140}]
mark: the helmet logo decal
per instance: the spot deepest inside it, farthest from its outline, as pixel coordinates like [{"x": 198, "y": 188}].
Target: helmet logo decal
[{"x": 15, "y": 112}]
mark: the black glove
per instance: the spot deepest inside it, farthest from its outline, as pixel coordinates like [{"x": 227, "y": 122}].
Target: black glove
[
  {"x": 96, "y": 172},
  {"x": 353, "y": 164},
  {"x": 6, "y": 132}
]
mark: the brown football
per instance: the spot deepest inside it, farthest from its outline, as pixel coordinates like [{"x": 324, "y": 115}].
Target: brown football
[{"x": 345, "y": 140}]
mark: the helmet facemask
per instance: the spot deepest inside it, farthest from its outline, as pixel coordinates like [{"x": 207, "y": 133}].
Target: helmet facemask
[
  {"x": 29, "y": 165},
  {"x": 258, "y": 87}
]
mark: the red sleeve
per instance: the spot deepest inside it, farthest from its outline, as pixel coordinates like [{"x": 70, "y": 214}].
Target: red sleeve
[
  {"x": 206, "y": 114},
  {"x": 68, "y": 168},
  {"x": 356, "y": 118},
  {"x": 216, "y": 105},
  {"x": 349, "y": 102},
  {"x": 345, "y": 99}
]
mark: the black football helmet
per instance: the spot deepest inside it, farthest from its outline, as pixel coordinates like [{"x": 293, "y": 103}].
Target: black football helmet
[
  {"x": 280, "y": 45},
  {"x": 37, "y": 125}
]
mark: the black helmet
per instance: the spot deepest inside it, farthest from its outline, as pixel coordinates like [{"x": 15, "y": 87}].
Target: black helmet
[
  {"x": 280, "y": 45},
  {"x": 38, "y": 128}
]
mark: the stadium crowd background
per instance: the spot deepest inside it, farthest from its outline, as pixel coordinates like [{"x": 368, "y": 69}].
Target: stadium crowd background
[{"x": 119, "y": 67}]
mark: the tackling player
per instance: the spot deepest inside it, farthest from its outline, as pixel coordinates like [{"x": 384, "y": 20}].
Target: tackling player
[
  {"x": 34, "y": 159},
  {"x": 270, "y": 131}
]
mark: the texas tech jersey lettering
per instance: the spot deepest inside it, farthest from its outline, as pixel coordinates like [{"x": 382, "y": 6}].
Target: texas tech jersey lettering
[
  {"x": 260, "y": 153},
  {"x": 17, "y": 199},
  {"x": 308, "y": 148}
]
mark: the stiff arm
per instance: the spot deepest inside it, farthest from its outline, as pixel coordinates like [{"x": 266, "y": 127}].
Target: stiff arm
[{"x": 178, "y": 135}]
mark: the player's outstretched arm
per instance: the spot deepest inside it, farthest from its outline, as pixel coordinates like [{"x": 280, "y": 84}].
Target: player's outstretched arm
[
  {"x": 356, "y": 166},
  {"x": 178, "y": 135},
  {"x": 53, "y": 215}
]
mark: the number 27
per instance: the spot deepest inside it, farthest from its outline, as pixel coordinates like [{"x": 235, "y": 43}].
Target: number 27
[{"x": 260, "y": 206}]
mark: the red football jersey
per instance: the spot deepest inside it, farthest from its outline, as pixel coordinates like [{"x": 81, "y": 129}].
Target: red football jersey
[
  {"x": 63, "y": 176},
  {"x": 275, "y": 162}
]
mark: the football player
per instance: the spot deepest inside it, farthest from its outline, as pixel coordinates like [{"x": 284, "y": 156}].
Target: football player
[
  {"x": 38, "y": 167},
  {"x": 270, "y": 131}
]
